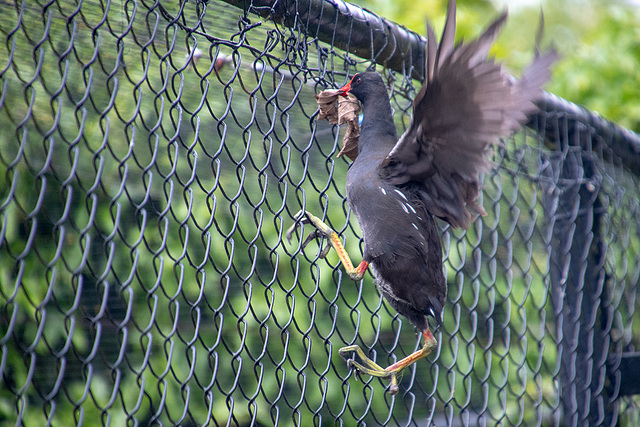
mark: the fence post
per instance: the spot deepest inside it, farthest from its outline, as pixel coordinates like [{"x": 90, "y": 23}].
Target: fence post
[{"x": 579, "y": 293}]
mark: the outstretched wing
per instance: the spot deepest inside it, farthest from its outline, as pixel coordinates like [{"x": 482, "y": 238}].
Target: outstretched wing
[{"x": 465, "y": 104}]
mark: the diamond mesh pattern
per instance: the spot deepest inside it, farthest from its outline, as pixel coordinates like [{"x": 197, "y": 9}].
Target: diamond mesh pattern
[{"x": 152, "y": 156}]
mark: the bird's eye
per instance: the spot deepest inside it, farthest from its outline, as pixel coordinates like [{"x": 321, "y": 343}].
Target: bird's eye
[{"x": 358, "y": 80}]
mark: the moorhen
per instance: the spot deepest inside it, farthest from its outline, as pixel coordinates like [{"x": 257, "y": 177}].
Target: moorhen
[{"x": 396, "y": 186}]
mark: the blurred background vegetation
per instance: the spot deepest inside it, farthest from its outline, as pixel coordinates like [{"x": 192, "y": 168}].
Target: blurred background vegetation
[
  {"x": 598, "y": 40},
  {"x": 144, "y": 195}
]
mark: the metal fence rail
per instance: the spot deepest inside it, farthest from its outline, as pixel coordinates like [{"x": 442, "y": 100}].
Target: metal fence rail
[{"x": 152, "y": 156}]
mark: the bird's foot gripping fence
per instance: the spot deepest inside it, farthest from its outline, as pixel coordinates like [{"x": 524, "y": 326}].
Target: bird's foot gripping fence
[
  {"x": 322, "y": 230},
  {"x": 392, "y": 372},
  {"x": 154, "y": 154}
]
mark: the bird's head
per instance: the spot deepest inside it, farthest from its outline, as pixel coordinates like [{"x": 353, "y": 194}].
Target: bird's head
[{"x": 362, "y": 85}]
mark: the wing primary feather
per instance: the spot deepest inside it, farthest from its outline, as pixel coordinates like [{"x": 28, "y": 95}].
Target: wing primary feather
[
  {"x": 448, "y": 34},
  {"x": 432, "y": 54},
  {"x": 465, "y": 104}
]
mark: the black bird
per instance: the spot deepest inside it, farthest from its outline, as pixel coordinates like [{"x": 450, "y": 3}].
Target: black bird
[{"x": 396, "y": 186}]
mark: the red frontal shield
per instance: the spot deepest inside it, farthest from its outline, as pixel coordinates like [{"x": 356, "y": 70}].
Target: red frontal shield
[{"x": 346, "y": 88}]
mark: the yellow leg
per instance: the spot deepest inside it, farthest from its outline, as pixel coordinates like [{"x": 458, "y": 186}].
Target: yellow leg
[
  {"x": 365, "y": 365},
  {"x": 369, "y": 367},
  {"x": 323, "y": 230}
]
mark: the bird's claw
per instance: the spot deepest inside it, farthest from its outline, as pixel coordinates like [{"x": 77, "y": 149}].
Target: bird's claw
[
  {"x": 299, "y": 218},
  {"x": 368, "y": 366},
  {"x": 321, "y": 230},
  {"x": 312, "y": 236},
  {"x": 392, "y": 372}
]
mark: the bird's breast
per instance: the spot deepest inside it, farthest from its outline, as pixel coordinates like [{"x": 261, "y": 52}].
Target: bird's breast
[{"x": 392, "y": 222}]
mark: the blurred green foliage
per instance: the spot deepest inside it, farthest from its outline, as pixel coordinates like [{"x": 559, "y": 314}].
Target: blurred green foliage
[
  {"x": 598, "y": 42},
  {"x": 144, "y": 197}
]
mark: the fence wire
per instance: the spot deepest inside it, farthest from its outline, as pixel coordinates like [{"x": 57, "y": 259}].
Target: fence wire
[{"x": 152, "y": 157}]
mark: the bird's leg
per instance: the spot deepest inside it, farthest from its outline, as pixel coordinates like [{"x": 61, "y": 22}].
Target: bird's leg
[
  {"x": 324, "y": 230},
  {"x": 365, "y": 365},
  {"x": 369, "y": 367}
]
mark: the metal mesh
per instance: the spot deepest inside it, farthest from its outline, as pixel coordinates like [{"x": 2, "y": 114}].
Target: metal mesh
[{"x": 152, "y": 156}]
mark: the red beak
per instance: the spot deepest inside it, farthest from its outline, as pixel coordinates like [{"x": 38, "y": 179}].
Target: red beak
[{"x": 346, "y": 88}]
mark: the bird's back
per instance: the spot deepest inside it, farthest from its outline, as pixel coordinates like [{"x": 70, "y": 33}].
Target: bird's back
[{"x": 401, "y": 240}]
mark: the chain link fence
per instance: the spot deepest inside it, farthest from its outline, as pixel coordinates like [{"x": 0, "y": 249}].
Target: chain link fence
[{"x": 152, "y": 156}]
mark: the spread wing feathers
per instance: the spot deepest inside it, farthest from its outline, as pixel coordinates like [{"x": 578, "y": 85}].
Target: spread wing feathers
[{"x": 465, "y": 104}]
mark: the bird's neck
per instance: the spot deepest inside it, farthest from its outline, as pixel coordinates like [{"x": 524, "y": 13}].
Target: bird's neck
[{"x": 377, "y": 127}]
